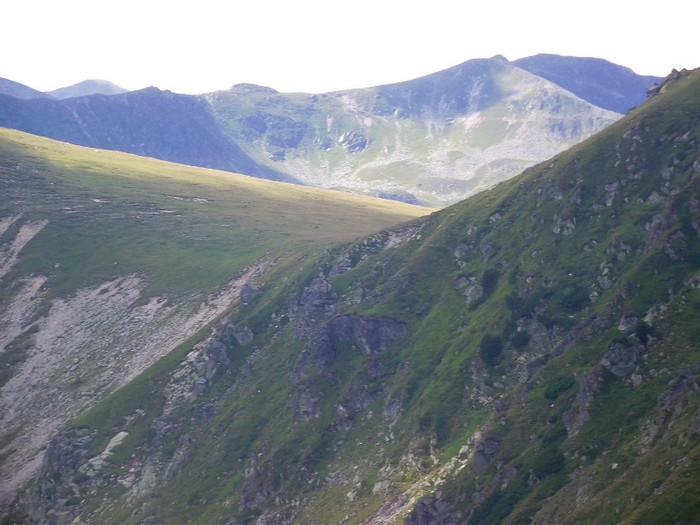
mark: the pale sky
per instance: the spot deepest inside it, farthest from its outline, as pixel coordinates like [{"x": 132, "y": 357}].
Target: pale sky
[{"x": 317, "y": 46}]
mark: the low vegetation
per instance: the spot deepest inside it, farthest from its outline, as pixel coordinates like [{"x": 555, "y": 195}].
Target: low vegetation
[{"x": 528, "y": 355}]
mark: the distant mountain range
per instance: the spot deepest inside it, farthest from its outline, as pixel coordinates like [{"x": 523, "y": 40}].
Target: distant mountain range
[
  {"x": 86, "y": 88},
  {"x": 81, "y": 89},
  {"x": 431, "y": 140},
  {"x": 149, "y": 122}
]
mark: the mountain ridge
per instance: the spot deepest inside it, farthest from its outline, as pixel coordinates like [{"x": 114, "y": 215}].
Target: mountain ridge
[
  {"x": 434, "y": 139},
  {"x": 86, "y": 88},
  {"x": 148, "y": 122},
  {"x": 15, "y": 89},
  {"x": 596, "y": 80},
  {"x": 526, "y": 355},
  {"x": 430, "y": 140}
]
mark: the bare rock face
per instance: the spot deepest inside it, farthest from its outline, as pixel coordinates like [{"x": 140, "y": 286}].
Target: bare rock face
[
  {"x": 53, "y": 499},
  {"x": 621, "y": 358},
  {"x": 470, "y": 287},
  {"x": 432, "y": 510},
  {"x": 482, "y": 456},
  {"x": 564, "y": 225},
  {"x": 661, "y": 87},
  {"x": 243, "y": 334},
  {"x": 364, "y": 334},
  {"x": 578, "y": 414},
  {"x": 369, "y": 335},
  {"x": 685, "y": 384},
  {"x": 325, "y": 334}
]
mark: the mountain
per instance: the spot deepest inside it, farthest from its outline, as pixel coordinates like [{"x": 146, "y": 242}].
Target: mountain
[
  {"x": 81, "y": 89},
  {"x": 432, "y": 140},
  {"x": 149, "y": 122},
  {"x": 109, "y": 262},
  {"x": 527, "y": 355},
  {"x": 87, "y": 87},
  {"x": 17, "y": 90},
  {"x": 598, "y": 81}
]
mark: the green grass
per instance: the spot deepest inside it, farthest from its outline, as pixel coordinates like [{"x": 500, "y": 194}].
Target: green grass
[
  {"x": 530, "y": 274},
  {"x": 186, "y": 229}
]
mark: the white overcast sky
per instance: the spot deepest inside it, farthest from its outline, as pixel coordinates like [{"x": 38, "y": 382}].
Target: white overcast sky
[{"x": 316, "y": 46}]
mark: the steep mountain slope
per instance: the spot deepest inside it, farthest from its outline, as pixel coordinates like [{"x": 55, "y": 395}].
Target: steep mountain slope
[
  {"x": 528, "y": 355},
  {"x": 17, "y": 90},
  {"x": 149, "y": 122},
  {"x": 434, "y": 139},
  {"x": 87, "y": 87},
  {"x": 598, "y": 81},
  {"x": 110, "y": 261}
]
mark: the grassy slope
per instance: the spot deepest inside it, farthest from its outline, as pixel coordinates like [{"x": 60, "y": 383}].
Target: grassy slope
[
  {"x": 601, "y": 474},
  {"x": 540, "y": 274},
  {"x": 449, "y": 383},
  {"x": 185, "y": 231},
  {"x": 188, "y": 229}
]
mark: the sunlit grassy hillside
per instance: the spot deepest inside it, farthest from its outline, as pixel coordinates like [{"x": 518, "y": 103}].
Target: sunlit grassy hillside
[{"x": 187, "y": 229}]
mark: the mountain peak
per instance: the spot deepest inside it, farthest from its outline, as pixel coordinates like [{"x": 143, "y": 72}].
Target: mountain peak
[
  {"x": 246, "y": 88},
  {"x": 17, "y": 90},
  {"x": 599, "y": 81},
  {"x": 87, "y": 87}
]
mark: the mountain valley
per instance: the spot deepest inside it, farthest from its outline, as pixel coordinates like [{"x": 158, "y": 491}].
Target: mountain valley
[{"x": 183, "y": 345}]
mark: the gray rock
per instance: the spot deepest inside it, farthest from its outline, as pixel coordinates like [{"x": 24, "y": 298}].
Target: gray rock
[
  {"x": 621, "y": 358},
  {"x": 248, "y": 293},
  {"x": 482, "y": 456},
  {"x": 217, "y": 351},
  {"x": 488, "y": 249},
  {"x": 564, "y": 226},
  {"x": 578, "y": 414},
  {"x": 369, "y": 335},
  {"x": 472, "y": 289},
  {"x": 243, "y": 334}
]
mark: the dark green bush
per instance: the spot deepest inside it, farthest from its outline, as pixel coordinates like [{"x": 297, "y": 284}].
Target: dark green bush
[
  {"x": 642, "y": 330},
  {"x": 490, "y": 349},
  {"x": 489, "y": 281},
  {"x": 558, "y": 385},
  {"x": 520, "y": 339},
  {"x": 549, "y": 461}
]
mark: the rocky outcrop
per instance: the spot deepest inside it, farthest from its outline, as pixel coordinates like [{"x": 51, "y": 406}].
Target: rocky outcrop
[
  {"x": 195, "y": 372},
  {"x": 683, "y": 386},
  {"x": 325, "y": 336},
  {"x": 316, "y": 323},
  {"x": 367, "y": 334},
  {"x": 433, "y": 510},
  {"x": 660, "y": 87},
  {"x": 622, "y": 357},
  {"x": 578, "y": 414},
  {"x": 484, "y": 451},
  {"x": 55, "y": 499},
  {"x": 470, "y": 287}
]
